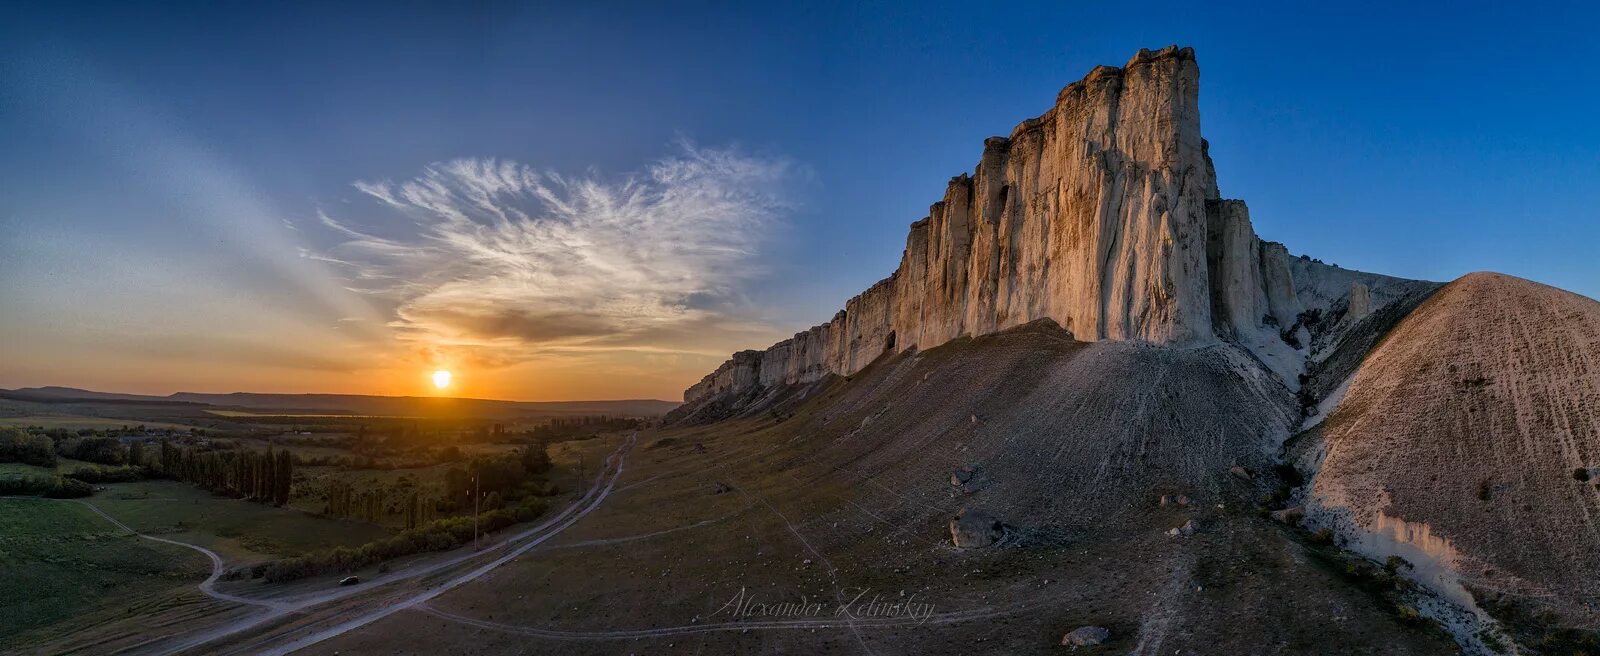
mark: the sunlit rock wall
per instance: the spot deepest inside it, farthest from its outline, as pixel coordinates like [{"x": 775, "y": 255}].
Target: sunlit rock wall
[{"x": 1103, "y": 215}]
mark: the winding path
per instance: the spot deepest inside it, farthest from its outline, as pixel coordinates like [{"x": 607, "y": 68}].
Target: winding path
[
  {"x": 273, "y": 609},
  {"x": 207, "y": 586}
]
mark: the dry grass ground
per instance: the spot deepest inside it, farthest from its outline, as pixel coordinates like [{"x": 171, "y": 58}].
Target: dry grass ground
[
  {"x": 850, "y": 492},
  {"x": 1461, "y": 438}
]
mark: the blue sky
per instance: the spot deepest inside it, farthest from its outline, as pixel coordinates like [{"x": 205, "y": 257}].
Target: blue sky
[{"x": 181, "y": 192}]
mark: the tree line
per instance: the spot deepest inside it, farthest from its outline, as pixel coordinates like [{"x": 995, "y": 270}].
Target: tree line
[
  {"x": 18, "y": 446},
  {"x": 499, "y": 481},
  {"x": 376, "y": 503},
  {"x": 262, "y": 476}
]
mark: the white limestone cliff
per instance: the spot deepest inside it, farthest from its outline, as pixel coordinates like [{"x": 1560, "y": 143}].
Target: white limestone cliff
[{"x": 1103, "y": 215}]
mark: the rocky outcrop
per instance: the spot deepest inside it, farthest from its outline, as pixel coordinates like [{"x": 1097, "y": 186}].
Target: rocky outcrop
[
  {"x": 973, "y": 529},
  {"x": 1086, "y": 636},
  {"x": 1103, "y": 215}
]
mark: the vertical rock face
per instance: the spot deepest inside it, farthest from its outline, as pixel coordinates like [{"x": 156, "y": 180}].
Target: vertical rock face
[
  {"x": 1102, "y": 214},
  {"x": 1360, "y": 304},
  {"x": 1233, "y": 257}
]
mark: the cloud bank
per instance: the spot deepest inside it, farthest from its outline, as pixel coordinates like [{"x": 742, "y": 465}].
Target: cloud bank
[{"x": 495, "y": 261}]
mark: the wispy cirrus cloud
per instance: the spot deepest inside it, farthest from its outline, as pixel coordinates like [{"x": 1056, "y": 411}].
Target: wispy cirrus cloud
[{"x": 499, "y": 262}]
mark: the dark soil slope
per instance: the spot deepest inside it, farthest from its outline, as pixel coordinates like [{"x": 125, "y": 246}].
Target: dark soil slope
[{"x": 848, "y": 493}]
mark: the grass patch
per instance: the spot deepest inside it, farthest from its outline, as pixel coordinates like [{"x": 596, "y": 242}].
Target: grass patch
[
  {"x": 239, "y": 530},
  {"x": 65, "y": 560}
]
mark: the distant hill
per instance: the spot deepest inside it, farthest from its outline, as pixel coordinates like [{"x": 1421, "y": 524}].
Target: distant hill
[
  {"x": 49, "y": 394},
  {"x": 359, "y": 404}
]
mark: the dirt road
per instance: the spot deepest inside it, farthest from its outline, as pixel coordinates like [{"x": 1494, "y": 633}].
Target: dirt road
[{"x": 295, "y": 622}]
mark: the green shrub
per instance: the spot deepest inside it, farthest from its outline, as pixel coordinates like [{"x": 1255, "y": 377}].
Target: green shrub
[
  {"x": 1581, "y": 474},
  {"x": 25, "y": 485},
  {"x": 1560, "y": 640},
  {"x": 53, "y": 487},
  {"x": 108, "y": 474},
  {"x": 67, "y": 488},
  {"x": 1492, "y": 641},
  {"x": 439, "y": 535},
  {"x": 17, "y": 445}
]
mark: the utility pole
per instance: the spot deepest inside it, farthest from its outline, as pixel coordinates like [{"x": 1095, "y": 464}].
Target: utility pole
[{"x": 474, "y": 511}]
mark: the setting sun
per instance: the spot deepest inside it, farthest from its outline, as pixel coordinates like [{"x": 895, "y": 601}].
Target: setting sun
[{"x": 441, "y": 379}]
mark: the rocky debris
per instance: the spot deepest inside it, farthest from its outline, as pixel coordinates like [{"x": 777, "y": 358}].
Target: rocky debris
[
  {"x": 1086, "y": 636},
  {"x": 1291, "y": 516},
  {"x": 968, "y": 480},
  {"x": 1241, "y": 473},
  {"x": 1175, "y": 500},
  {"x": 974, "y": 420},
  {"x": 1186, "y": 530},
  {"x": 975, "y": 528},
  {"x": 721, "y": 488}
]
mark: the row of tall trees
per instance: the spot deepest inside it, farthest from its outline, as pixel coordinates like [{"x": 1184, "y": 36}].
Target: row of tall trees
[
  {"x": 566, "y": 427},
  {"x": 264, "y": 476},
  {"x": 375, "y": 504}
]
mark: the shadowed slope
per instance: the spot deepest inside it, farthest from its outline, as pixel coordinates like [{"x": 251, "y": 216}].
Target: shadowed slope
[
  {"x": 1068, "y": 429},
  {"x": 849, "y": 492}
]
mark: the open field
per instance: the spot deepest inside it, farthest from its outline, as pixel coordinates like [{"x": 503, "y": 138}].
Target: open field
[
  {"x": 74, "y": 422},
  {"x": 58, "y": 559},
  {"x": 243, "y": 532},
  {"x": 81, "y": 565},
  {"x": 243, "y": 413},
  {"x": 372, "y": 464},
  {"x": 198, "y": 624}
]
